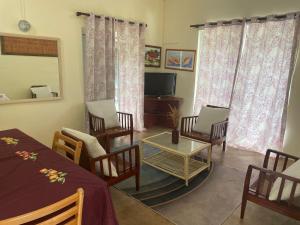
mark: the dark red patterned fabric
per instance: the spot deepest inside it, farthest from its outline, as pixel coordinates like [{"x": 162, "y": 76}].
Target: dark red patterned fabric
[{"x": 24, "y": 189}]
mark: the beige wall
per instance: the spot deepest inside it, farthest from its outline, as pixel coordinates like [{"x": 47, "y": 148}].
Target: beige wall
[
  {"x": 179, "y": 15},
  {"x": 56, "y": 18}
]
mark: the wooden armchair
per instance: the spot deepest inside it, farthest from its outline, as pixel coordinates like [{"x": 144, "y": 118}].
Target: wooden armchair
[
  {"x": 106, "y": 124},
  {"x": 105, "y": 135},
  {"x": 259, "y": 191},
  {"x": 217, "y": 134},
  {"x": 126, "y": 162}
]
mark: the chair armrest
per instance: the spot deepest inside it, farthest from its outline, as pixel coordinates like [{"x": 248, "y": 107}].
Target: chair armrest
[
  {"x": 125, "y": 120},
  {"x": 187, "y": 124},
  {"x": 272, "y": 176},
  {"x": 97, "y": 124},
  {"x": 124, "y": 156},
  {"x": 219, "y": 130},
  {"x": 278, "y": 155}
]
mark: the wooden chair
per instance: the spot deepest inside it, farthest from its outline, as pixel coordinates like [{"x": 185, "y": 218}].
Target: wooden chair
[
  {"x": 47, "y": 88},
  {"x": 126, "y": 162},
  {"x": 105, "y": 135},
  {"x": 71, "y": 147},
  {"x": 259, "y": 191},
  {"x": 73, "y": 214},
  {"x": 217, "y": 134}
]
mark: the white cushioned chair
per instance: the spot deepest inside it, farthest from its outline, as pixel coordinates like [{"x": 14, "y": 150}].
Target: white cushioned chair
[
  {"x": 106, "y": 123},
  {"x": 209, "y": 126},
  {"x": 276, "y": 185},
  {"x": 42, "y": 91},
  {"x": 113, "y": 167}
]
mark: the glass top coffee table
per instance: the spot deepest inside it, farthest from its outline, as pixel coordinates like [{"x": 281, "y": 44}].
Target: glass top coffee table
[{"x": 177, "y": 159}]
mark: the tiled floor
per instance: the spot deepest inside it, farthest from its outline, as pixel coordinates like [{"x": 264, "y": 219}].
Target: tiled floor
[{"x": 218, "y": 200}]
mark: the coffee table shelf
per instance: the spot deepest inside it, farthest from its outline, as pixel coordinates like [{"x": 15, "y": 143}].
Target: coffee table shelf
[
  {"x": 177, "y": 159},
  {"x": 174, "y": 164}
]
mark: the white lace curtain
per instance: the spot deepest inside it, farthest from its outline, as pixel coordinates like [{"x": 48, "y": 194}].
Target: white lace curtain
[
  {"x": 259, "y": 102},
  {"x": 113, "y": 50},
  {"x": 218, "y": 52},
  {"x": 262, "y": 81},
  {"x": 131, "y": 56},
  {"x": 99, "y": 59}
]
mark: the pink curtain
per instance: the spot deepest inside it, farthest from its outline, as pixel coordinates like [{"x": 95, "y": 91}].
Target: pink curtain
[
  {"x": 218, "y": 53},
  {"x": 258, "y": 110},
  {"x": 99, "y": 59},
  {"x": 131, "y": 53}
]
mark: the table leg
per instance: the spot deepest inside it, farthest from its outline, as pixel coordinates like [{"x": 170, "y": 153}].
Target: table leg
[
  {"x": 209, "y": 151},
  {"x": 186, "y": 170},
  {"x": 141, "y": 152}
]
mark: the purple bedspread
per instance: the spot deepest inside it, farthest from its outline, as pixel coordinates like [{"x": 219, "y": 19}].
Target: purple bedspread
[{"x": 24, "y": 188}]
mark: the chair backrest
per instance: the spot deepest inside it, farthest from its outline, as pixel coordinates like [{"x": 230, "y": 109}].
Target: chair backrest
[
  {"x": 68, "y": 145},
  {"x": 85, "y": 157},
  {"x": 41, "y": 91},
  {"x": 208, "y": 116},
  {"x": 218, "y": 107},
  {"x": 105, "y": 109},
  {"x": 74, "y": 201}
]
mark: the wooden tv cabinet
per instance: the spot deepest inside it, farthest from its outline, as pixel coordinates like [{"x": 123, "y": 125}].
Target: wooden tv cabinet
[{"x": 156, "y": 110}]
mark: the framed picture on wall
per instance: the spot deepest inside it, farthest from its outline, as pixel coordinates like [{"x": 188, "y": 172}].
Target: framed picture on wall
[
  {"x": 180, "y": 59},
  {"x": 152, "y": 56}
]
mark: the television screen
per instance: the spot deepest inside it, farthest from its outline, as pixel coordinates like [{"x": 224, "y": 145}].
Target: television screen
[{"x": 160, "y": 84}]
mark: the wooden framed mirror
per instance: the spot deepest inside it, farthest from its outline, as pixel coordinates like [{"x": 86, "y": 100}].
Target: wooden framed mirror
[{"x": 30, "y": 69}]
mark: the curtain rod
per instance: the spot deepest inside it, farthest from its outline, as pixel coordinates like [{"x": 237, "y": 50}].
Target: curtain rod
[
  {"x": 107, "y": 18},
  {"x": 227, "y": 22}
]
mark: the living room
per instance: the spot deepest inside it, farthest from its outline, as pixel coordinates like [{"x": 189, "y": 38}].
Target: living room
[{"x": 169, "y": 27}]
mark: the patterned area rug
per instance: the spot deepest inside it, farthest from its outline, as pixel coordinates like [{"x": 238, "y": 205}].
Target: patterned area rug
[{"x": 158, "y": 188}]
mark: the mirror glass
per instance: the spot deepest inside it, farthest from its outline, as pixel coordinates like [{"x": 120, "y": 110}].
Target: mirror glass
[{"x": 29, "y": 68}]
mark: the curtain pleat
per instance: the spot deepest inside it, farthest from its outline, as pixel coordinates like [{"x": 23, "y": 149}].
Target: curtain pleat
[
  {"x": 260, "y": 84},
  {"x": 131, "y": 54},
  {"x": 218, "y": 54}
]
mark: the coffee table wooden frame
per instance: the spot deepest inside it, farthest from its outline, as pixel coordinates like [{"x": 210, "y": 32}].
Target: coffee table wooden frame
[{"x": 174, "y": 162}]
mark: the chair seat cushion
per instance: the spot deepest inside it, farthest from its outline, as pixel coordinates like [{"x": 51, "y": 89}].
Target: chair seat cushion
[
  {"x": 115, "y": 130},
  {"x": 209, "y": 116},
  {"x": 292, "y": 171},
  {"x": 105, "y": 109},
  {"x": 94, "y": 149},
  {"x": 198, "y": 136}
]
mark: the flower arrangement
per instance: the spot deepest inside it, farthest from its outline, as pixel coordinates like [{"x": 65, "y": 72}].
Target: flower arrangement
[
  {"x": 27, "y": 155},
  {"x": 54, "y": 176},
  {"x": 10, "y": 140},
  {"x": 174, "y": 114}
]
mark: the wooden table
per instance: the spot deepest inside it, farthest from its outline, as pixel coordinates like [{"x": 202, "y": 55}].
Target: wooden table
[
  {"x": 177, "y": 159},
  {"x": 25, "y": 188}
]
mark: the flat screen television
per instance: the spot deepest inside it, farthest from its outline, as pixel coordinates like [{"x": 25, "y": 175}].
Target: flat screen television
[{"x": 160, "y": 84}]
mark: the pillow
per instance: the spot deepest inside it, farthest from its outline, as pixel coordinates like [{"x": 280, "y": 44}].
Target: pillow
[
  {"x": 292, "y": 171},
  {"x": 94, "y": 149},
  {"x": 208, "y": 116},
  {"x": 105, "y": 109}
]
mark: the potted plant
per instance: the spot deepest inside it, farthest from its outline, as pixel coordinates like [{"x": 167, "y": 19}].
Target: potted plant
[{"x": 174, "y": 115}]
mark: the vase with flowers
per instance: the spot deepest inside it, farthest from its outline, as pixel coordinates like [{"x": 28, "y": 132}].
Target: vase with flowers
[{"x": 174, "y": 115}]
